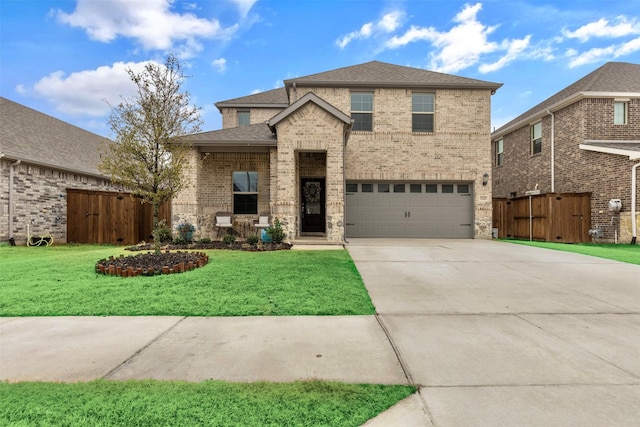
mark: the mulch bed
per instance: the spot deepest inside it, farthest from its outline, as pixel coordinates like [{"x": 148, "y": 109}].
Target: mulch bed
[
  {"x": 151, "y": 264},
  {"x": 173, "y": 258}
]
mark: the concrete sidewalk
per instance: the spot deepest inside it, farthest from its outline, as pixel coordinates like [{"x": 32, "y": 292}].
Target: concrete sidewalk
[{"x": 492, "y": 333}]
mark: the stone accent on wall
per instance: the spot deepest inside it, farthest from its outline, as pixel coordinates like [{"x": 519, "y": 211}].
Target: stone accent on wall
[
  {"x": 606, "y": 176},
  {"x": 40, "y": 199}
]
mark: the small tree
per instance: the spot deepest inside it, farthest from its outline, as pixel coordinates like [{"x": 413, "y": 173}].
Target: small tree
[{"x": 149, "y": 156}]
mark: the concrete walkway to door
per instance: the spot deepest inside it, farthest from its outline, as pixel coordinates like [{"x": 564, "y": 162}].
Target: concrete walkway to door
[{"x": 496, "y": 333}]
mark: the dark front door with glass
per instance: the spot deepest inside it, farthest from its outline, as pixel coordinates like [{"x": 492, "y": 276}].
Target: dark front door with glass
[{"x": 312, "y": 201}]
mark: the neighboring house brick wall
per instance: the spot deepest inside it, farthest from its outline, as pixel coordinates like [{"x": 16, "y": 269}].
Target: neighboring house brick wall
[
  {"x": 258, "y": 115},
  {"x": 41, "y": 199},
  {"x": 606, "y": 176}
]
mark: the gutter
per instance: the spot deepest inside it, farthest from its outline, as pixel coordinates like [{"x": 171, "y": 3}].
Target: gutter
[
  {"x": 633, "y": 203},
  {"x": 553, "y": 151},
  {"x": 11, "y": 196}
]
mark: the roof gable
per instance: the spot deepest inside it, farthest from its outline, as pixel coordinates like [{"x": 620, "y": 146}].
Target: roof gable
[
  {"x": 308, "y": 97},
  {"x": 34, "y": 137},
  {"x": 614, "y": 78},
  {"x": 382, "y": 74}
]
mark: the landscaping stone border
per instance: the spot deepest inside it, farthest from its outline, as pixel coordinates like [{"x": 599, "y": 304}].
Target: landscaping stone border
[{"x": 151, "y": 264}]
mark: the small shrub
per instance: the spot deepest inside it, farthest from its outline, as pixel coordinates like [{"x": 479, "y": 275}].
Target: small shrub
[
  {"x": 253, "y": 239},
  {"x": 162, "y": 233},
  {"x": 276, "y": 232},
  {"x": 205, "y": 240},
  {"x": 229, "y": 239},
  {"x": 180, "y": 241}
]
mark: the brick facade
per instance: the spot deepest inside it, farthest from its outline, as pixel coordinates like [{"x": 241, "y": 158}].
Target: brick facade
[
  {"x": 606, "y": 176},
  {"x": 310, "y": 143},
  {"x": 40, "y": 199}
]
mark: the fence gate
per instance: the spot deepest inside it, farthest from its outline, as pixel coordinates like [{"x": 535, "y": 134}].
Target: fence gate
[
  {"x": 105, "y": 217},
  {"x": 552, "y": 217}
]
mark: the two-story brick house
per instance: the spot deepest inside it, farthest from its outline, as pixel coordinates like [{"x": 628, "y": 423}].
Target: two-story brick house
[
  {"x": 585, "y": 138},
  {"x": 371, "y": 150}
]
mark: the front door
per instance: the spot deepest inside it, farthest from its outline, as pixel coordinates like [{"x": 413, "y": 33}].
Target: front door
[{"x": 312, "y": 203}]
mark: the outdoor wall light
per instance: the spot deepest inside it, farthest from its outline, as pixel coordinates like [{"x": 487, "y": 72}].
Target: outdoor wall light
[{"x": 485, "y": 179}]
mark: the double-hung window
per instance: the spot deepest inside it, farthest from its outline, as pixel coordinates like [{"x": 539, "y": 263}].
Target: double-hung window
[
  {"x": 245, "y": 193},
  {"x": 619, "y": 113},
  {"x": 422, "y": 107},
  {"x": 244, "y": 118},
  {"x": 499, "y": 152},
  {"x": 362, "y": 111},
  {"x": 536, "y": 138}
]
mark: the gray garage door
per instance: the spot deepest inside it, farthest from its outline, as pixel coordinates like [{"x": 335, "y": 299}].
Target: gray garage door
[{"x": 409, "y": 209}]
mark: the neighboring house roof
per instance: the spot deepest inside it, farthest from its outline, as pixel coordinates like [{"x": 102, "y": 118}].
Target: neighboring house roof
[
  {"x": 308, "y": 97},
  {"x": 612, "y": 79},
  {"x": 34, "y": 137},
  {"x": 256, "y": 134},
  {"x": 269, "y": 99},
  {"x": 382, "y": 74},
  {"x": 622, "y": 148}
]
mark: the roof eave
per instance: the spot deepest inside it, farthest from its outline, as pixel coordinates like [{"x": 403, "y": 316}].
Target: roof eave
[
  {"x": 35, "y": 162},
  {"x": 396, "y": 85}
]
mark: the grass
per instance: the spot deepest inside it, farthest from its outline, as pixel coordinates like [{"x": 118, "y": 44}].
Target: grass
[
  {"x": 61, "y": 281},
  {"x": 209, "y": 403},
  {"x": 621, "y": 252}
]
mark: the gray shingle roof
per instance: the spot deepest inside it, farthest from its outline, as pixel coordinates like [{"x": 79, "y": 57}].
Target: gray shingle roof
[
  {"x": 614, "y": 77},
  {"x": 271, "y": 98},
  {"x": 624, "y": 148},
  {"x": 256, "y": 134},
  {"x": 34, "y": 137},
  {"x": 382, "y": 74}
]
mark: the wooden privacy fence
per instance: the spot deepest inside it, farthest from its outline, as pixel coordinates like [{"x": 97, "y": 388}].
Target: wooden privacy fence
[
  {"x": 555, "y": 217},
  {"x": 105, "y": 217}
]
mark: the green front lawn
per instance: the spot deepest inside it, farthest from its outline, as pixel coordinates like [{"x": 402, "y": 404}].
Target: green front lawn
[
  {"x": 61, "y": 281},
  {"x": 620, "y": 252},
  {"x": 209, "y": 403}
]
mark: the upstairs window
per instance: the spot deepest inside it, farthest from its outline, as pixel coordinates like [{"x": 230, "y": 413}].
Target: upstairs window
[
  {"x": 536, "y": 138},
  {"x": 362, "y": 111},
  {"x": 619, "y": 113},
  {"x": 422, "y": 109},
  {"x": 499, "y": 152},
  {"x": 244, "y": 118},
  {"x": 245, "y": 193}
]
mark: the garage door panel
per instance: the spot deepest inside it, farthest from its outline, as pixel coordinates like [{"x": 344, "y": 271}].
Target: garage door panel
[{"x": 411, "y": 214}]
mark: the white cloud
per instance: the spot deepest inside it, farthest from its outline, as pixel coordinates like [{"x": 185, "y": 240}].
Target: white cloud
[
  {"x": 89, "y": 92},
  {"x": 603, "y": 53},
  {"x": 387, "y": 24},
  {"x": 458, "y": 48},
  {"x": 244, "y": 6},
  {"x": 602, "y": 28},
  {"x": 514, "y": 50},
  {"x": 220, "y": 64},
  {"x": 151, "y": 23}
]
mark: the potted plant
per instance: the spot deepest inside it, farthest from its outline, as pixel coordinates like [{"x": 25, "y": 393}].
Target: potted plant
[{"x": 185, "y": 231}]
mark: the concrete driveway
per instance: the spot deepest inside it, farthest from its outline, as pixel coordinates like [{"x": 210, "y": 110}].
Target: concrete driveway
[{"x": 495, "y": 333}]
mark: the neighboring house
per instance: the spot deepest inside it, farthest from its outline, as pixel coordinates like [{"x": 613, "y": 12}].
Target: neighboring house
[
  {"x": 40, "y": 158},
  {"x": 371, "y": 150},
  {"x": 585, "y": 138}
]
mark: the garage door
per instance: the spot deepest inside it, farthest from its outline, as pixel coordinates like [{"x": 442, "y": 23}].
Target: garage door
[{"x": 409, "y": 209}]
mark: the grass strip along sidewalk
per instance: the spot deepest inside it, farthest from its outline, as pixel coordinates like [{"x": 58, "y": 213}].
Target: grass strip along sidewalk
[
  {"x": 209, "y": 403},
  {"x": 620, "y": 252},
  {"x": 61, "y": 281}
]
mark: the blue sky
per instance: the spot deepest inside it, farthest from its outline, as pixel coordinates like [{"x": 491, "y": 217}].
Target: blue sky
[{"x": 68, "y": 58}]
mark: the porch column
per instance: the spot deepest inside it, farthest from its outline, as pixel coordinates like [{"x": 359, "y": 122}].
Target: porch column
[
  {"x": 284, "y": 205},
  {"x": 184, "y": 206}
]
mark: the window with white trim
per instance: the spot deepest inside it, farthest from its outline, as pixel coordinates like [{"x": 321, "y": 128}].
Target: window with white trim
[
  {"x": 422, "y": 108},
  {"x": 619, "y": 113},
  {"x": 244, "y": 118},
  {"x": 362, "y": 111},
  {"x": 245, "y": 193},
  {"x": 499, "y": 152},
  {"x": 536, "y": 138}
]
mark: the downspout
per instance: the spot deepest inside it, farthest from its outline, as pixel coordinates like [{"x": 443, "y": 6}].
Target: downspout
[
  {"x": 11, "y": 197},
  {"x": 553, "y": 151},
  {"x": 633, "y": 203}
]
